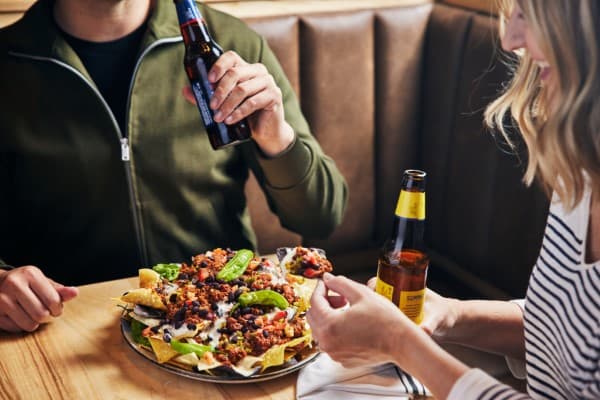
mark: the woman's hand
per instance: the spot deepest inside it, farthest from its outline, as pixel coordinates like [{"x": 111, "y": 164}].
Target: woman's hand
[
  {"x": 245, "y": 90},
  {"x": 440, "y": 313},
  {"x": 370, "y": 329},
  {"x": 28, "y": 298},
  {"x": 367, "y": 330}
]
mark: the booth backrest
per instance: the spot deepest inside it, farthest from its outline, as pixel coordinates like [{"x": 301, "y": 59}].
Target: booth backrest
[{"x": 405, "y": 87}]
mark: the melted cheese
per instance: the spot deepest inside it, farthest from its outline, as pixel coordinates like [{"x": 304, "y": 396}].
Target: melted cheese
[
  {"x": 277, "y": 274},
  {"x": 169, "y": 289},
  {"x": 224, "y": 307},
  {"x": 245, "y": 366},
  {"x": 288, "y": 258},
  {"x": 212, "y": 334},
  {"x": 151, "y": 322}
]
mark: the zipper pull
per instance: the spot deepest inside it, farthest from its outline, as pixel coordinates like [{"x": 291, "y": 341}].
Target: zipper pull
[{"x": 124, "y": 149}]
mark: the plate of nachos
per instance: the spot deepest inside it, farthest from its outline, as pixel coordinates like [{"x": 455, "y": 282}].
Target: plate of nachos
[{"x": 227, "y": 316}]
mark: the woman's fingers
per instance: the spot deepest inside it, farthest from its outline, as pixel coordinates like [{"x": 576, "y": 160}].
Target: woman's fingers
[
  {"x": 372, "y": 282},
  {"x": 337, "y": 301},
  {"x": 352, "y": 291}
]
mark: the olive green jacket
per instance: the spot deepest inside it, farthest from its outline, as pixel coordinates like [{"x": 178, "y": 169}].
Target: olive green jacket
[{"x": 86, "y": 202}]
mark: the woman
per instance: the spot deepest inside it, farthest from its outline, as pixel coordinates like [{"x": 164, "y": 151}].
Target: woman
[{"x": 555, "y": 99}]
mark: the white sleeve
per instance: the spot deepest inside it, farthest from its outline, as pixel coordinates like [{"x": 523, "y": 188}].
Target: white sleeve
[
  {"x": 517, "y": 366},
  {"x": 476, "y": 384}
]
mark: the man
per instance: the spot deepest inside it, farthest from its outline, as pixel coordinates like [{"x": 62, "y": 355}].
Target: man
[{"x": 104, "y": 165}]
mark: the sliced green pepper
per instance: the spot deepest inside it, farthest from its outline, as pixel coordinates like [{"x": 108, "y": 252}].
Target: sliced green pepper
[
  {"x": 167, "y": 271},
  {"x": 186, "y": 348},
  {"x": 236, "y": 266},
  {"x": 264, "y": 298}
]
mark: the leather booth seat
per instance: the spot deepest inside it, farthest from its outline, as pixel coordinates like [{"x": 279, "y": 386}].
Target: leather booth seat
[{"x": 387, "y": 89}]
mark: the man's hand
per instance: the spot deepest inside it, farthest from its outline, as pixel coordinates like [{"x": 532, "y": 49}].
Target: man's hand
[
  {"x": 28, "y": 298},
  {"x": 245, "y": 90}
]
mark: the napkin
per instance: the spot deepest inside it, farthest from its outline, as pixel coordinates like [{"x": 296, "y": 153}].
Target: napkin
[{"x": 325, "y": 379}]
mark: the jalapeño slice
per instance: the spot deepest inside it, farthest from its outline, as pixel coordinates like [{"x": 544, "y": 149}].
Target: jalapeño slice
[{"x": 236, "y": 266}]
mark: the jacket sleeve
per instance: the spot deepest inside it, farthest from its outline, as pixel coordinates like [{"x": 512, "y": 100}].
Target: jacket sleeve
[{"x": 303, "y": 185}]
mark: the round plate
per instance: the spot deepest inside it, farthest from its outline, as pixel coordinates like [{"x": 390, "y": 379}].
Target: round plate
[{"x": 271, "y": 373}]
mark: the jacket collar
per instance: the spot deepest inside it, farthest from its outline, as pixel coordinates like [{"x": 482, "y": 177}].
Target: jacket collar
[
  {"x": 163, "y": 22},
  {"x": 38, "y": 35}
]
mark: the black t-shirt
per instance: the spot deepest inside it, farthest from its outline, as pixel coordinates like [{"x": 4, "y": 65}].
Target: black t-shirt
[{"x": 111, "y": 64}]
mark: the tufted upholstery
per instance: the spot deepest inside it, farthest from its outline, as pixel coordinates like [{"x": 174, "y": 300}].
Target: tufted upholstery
[{"x": 403, "y": 87}]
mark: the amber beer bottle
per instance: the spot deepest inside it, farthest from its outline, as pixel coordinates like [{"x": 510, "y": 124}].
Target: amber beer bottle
[
  {"x": 402, "y": 265},
  {"x": 201, "y": 52}
]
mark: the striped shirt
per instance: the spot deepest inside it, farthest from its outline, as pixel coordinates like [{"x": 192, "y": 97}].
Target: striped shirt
[{"x": 561, "y": 318}]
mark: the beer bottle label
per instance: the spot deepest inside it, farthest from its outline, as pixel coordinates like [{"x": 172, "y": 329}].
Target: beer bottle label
[
  {"x": 202, "y": 101},
  {"x": 411, "y": 304},
  {"x": 411, "y": 205},
  {"x": 203, "y": 93},
  {"x": 384, "y": 289}
]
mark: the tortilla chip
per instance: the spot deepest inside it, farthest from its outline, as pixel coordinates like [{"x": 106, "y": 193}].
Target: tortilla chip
[
  {"x": 162, "y": 350},
  {"x": 204, "y": 363},
  {"x": 276, "y": 356},
  {"x": 148, "y": 277},
  {"x": 246, "y": 366},
  {"x": 304, "y": 289},
  {"x": 145, "y": 297}
]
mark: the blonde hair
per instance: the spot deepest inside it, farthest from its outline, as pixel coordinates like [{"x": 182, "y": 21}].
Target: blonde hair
[{"x": 560, "y": 123}]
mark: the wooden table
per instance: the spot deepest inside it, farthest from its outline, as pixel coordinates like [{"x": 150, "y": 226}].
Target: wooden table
[{"x": 82, "y": 355}]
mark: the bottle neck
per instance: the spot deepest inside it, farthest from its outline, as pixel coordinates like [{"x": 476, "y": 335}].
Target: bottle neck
[
  {"x": 192, "y": 25},
  {"x": 408, "y": 234},
  {"x": 409, "y": 220}
]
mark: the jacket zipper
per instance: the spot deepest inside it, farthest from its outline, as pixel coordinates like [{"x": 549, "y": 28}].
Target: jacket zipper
[{"x": 123, "y": 139}]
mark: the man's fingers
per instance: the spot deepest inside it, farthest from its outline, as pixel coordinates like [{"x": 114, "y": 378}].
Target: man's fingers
[
  {"x": 228, "y": 60},
  {"x": 21, "y": 318},
  {"x": 239, "y": 83},
  {"x": 33, "y": 306},
  {"x": 47, "y": 294},
  {"x": 7, "y": 324},
  {"x": 31, "y": 294},
  {"x": 67, "y": 292},
  {"x": 250, "y": 96}
]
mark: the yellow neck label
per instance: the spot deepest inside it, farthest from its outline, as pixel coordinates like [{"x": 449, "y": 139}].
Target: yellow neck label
[{"x": 411, "y": 205}]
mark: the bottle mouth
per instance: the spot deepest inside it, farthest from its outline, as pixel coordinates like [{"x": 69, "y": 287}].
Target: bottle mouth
[{"x": 416, "y": 173}]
